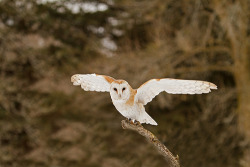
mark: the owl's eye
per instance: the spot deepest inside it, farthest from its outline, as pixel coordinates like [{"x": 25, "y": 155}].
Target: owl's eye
[
  {"x": 123, "y": 89},
  {"x": 115, "y": 89}
]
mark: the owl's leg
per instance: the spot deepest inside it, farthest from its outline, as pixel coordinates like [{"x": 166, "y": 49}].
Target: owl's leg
[
  {"x": 128, "y": 119},
  {"x": 137, "y": 122},
  {"x": 132, "y": 121}
]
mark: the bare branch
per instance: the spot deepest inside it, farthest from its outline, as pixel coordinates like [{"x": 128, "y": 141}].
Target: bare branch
[{"x": 171, "y": 160}]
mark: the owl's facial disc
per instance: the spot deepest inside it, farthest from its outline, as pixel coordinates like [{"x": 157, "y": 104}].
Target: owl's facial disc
[{"x": 119, "y": 90}]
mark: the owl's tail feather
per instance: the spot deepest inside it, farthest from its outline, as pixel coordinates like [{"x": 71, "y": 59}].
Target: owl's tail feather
[{"x": 145, "y": 118}]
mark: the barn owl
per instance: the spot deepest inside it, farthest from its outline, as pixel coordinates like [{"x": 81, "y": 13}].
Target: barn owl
[{"x": 130, "y": 102}]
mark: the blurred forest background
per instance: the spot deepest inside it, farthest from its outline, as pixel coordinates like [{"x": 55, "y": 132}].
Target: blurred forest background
[{"x": 47, "y": 122}]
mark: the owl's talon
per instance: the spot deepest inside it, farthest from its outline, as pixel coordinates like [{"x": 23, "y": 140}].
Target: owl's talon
[
  {"x": 129, "y": 120},
  {"x": 137, "y": 123}
]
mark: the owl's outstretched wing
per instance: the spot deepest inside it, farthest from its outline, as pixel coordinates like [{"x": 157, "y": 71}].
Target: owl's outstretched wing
[
  {"x": 93, "y": 82},
  {"x": 150, "y": 89}
]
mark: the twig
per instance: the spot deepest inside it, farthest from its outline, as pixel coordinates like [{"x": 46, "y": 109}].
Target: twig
[{"x": 171, "y": 160}]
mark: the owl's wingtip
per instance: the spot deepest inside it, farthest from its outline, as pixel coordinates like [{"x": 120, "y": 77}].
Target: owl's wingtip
[
  {"x": 75, "y": 79},
  {"x": 212, "y": 86}
]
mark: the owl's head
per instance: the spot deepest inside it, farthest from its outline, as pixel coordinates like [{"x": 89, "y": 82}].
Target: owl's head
[{"x": 120, "y": 90}]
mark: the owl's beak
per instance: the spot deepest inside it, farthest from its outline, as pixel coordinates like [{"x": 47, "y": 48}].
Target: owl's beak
[{"x": 119, "y": 95}]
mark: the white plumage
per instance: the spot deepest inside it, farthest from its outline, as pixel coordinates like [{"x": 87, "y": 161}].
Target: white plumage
[
  {"x": 153, "y": 87},
  {"x": 130, "y": 102},
  {"x": 91, "y": 82}
]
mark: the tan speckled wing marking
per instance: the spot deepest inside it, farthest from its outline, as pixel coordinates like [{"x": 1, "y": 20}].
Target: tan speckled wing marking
[
  {"x": 131, "y": 99},
  {"x": 150, "y": 89},
  {"x": 107, "y": 78},
  {"x": 119, "y": 81}
]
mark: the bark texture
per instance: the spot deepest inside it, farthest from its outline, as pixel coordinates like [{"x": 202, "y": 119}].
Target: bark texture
[{"x": 170, "y": 158}]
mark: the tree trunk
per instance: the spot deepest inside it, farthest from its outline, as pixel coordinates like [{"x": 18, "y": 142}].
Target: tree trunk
[
  {"x": 234, "y": 20},
  {"x": 243, "y": 85}
]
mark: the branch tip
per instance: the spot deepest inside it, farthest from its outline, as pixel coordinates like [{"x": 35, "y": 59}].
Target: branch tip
[{"x": 170, "y": 158}]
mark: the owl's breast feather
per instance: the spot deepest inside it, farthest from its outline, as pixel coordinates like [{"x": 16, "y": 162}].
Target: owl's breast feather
[{"x": 127, "y": 111}]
